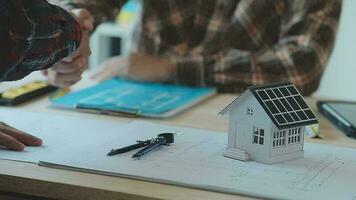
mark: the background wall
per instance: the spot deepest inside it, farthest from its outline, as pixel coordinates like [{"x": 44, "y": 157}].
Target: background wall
[{"x": 339, "y": 80}]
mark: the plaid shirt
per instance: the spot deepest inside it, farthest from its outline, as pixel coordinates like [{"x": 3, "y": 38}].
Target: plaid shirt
[
  {"x": 34, "y": 35},
  {"x": 232, "y": 44}
]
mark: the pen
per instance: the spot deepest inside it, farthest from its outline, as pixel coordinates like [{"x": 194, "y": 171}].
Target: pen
[{"x": 129, "y": 148}]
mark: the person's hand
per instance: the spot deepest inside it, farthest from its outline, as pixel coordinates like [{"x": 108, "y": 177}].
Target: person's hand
[
  {"x": 68, "y": 71},
  {"x": 16, "y": 140},
  {"x": 138, "y": 67},
  {"x": 64, "y": 74}
]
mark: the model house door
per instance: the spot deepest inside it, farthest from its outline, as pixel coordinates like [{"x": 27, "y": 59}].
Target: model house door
[{"x": 241, "y": 131}]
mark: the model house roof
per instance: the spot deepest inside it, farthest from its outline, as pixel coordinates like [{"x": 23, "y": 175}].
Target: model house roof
[{"x": 283, "y": 103}]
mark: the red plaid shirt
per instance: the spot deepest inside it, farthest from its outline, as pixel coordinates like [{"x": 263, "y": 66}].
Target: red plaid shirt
[
  {"x": 232, "y": 44},
  {"x": 34, "y": 35}
]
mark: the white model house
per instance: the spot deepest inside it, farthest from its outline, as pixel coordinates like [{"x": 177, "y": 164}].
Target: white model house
[{"x": 267, "y": 124}]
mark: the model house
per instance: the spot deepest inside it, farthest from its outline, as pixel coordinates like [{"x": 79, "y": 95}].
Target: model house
[{"x": 267, "y": 124}]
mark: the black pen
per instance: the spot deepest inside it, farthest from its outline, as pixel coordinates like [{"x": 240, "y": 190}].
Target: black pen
[{"x": 129, "y": 148}]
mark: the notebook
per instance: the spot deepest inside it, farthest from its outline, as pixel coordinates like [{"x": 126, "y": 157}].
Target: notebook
[{"x": 117, "y": 96}]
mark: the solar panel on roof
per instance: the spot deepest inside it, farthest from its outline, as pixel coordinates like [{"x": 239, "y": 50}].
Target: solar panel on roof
[
  {"x": 271, "y": 94},
  {"x": 310, "y": 114},
  {"x": 301, "y": 102},
  {"x": 271, "y": 107},
  {"x": 301, "y": 115},
  {"x": 284, "y": 104},
  {"x": 294, "y": 116},
  {"x": 288, "y": 117},
  {"x": 293, "y": 103},
  {"x": 280, "y": 119},
  {"x": 279, "y": 105},
  {"x": 284, "y": 91},
  {"x": 263, "y": 95},
  {"x": 292, "y": 90},
  {"x": 277, "y": 92}
]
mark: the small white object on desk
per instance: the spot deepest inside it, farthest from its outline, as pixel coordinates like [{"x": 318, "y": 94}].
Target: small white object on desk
[
  {"x": 313, "y": 131},
  {"x": 267, "y": 124}
]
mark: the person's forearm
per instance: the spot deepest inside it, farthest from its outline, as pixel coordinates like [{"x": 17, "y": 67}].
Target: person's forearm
[{"x": 234, "y": 70}]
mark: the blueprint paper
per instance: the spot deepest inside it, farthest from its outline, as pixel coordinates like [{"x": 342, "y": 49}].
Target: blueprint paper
[
  {"x": 58, "y": 133},
  {"x": 146, "y": 99},
  {"x": 194, "y": 160}
]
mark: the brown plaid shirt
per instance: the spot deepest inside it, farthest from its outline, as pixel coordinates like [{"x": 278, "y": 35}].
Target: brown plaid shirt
[{"x": 232, "y": 44}]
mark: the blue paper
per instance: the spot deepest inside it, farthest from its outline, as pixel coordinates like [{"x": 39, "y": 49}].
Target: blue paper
[{"x": 134, "y": 97}]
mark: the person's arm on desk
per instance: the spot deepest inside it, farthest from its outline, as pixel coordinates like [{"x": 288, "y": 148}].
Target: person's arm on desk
[
  {"x": 138, "y": 67},
  {"x": 34, "y": 36}
]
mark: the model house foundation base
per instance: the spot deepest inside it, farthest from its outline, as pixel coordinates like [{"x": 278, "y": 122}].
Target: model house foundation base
[{"x": 237, "y": 154}]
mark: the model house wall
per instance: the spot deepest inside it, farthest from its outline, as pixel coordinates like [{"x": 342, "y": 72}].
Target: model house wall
[
  {"x": 292, "y": 142},
  {"x": 242, "y": 123},
  {"x": 267, "y": 124},
  {"x": 248, "y": 115}
]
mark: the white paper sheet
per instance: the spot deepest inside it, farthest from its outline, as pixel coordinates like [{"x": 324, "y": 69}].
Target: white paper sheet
[
  {"x": 194, "y": 160},
  {"x": 59, "y": 133}
]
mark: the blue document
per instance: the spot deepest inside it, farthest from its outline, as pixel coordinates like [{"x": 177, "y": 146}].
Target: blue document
[{"x": 137, "y": 98}]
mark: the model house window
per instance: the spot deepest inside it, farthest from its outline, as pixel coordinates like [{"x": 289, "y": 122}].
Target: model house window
[
  {"x": 249, "y": 111},
  {"x": 279, "y": 138},
  {"x": 258, "y": 135},
  {"x": 294, "y": 135}
]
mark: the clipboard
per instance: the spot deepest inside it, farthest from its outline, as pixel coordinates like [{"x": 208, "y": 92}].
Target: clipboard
[{"x": 134, "y": 99}]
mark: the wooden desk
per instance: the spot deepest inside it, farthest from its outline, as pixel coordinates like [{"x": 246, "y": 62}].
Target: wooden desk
[{"x": 31, "y": 179}]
